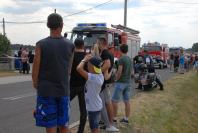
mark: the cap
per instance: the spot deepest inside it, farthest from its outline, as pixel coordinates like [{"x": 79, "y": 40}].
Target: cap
[{"x": 97, "y": 63}]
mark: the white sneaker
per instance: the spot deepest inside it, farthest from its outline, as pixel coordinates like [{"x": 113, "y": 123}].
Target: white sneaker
[{"x": 112, "y": 129}]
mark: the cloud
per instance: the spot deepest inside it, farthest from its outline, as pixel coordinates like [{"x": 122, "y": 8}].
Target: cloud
[{"x": 170, "y": 23}]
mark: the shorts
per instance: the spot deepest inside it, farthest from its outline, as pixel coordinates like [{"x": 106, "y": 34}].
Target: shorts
[
  {"x": 52, "y": 111},
  {"x": 121, "y": 89},
  {"x": 171, "y": 62},
  {"x": 94, "y": 118},
  {"x": 106, "y": 94}
]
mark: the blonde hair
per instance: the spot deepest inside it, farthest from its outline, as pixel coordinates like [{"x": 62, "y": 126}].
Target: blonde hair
[{"x": 95, "y": 51}]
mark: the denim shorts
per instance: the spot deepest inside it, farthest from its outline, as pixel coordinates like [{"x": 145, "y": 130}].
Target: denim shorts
[
  {"x": 52, "y": 111},
  {"x": 94, "y": 118},
  {"x": 121, "y": 89}
]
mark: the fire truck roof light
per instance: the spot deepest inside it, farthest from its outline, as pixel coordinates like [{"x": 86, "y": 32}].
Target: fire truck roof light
[{"x": 92, "y": 25}]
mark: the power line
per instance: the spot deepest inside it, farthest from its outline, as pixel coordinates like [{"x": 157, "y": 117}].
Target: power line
[
  {"x": 31, "y": 22},
  {"x": 89, "y": 9},
  {"x": 44, "y": 21}
]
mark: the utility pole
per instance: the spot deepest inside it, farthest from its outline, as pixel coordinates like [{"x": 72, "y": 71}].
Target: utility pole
[
  {"x": 4, "y": 27},
  {"x": 125, "y": 12}
]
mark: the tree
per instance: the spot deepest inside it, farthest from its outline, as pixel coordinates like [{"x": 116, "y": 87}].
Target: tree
[
  {"x": 195, "y": 47},
  {"x": 4, "y": 44}
]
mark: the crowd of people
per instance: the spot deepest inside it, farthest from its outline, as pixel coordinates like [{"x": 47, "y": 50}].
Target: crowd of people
[
  {"x": 180, "y": 62},
  {"x": 23, "y": 60},
  {"x": 63, "y": 70}
]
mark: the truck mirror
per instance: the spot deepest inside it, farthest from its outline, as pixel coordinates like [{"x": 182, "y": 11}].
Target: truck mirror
[{"x": 65, "y": 34}]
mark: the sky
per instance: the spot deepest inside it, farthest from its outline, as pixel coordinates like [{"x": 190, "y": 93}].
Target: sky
[{"x": 174, "y": 22}]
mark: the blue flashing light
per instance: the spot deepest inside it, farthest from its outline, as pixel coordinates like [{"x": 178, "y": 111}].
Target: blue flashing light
[{"x": 92, "y": 25}]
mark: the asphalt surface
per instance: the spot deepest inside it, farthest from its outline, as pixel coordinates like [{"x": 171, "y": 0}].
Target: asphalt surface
[{"x": 17, "y": 101}]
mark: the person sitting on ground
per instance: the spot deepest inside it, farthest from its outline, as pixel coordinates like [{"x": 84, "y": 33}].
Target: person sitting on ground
[
  {"x": 138, "y": 59},
  {"x": 151, "y": 69},
  {"x": 93, "y": 87}
]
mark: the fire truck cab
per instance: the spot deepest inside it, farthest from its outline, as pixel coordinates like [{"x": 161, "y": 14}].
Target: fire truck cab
[
  {"x": 157, "y": 49},
  {"x": 159, "y": 52},
  {"x": 115, "y": 36}
]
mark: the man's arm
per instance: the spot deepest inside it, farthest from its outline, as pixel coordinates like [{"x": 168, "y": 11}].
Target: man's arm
[
  {"x": 119, "y": 72},
  {"x": 70, "y": 63},
  {"x": 36, "y": 66},
  {"x": 106, "y": 65},
  {"x": 80, "y": 68},
  {"x": 105, "y": 69}
]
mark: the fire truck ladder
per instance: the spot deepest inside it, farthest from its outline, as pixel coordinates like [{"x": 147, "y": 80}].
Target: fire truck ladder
[{"x": 126, "y": 29}]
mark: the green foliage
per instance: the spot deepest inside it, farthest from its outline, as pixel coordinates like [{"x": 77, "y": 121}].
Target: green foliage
[
  {"x": 195, "y": 47},
  {"x": 4, "y": 44}
]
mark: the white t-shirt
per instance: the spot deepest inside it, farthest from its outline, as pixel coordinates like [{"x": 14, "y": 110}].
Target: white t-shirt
[{"x": 92, "y": 89}]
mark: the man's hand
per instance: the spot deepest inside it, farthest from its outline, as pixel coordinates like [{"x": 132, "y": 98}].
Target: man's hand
[
  {"x": 87, "y": 57},
  {"x": 35, "y": 84}
]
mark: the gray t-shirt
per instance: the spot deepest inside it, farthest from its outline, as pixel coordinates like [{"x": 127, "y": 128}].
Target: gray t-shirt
[
  {"x": 56, "y": 56},
  {"x": 92, "y": 91}
]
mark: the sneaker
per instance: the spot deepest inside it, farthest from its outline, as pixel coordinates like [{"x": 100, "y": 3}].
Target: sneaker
[
  {"x": 114, "y": 121},
  {"x": 124, "y": 121},
  {"x": 112, "y": 129},
  {"x": 161, "y": 88},
  {"x": 101, "y": 123},
  {"x": 102, "y": 127}
]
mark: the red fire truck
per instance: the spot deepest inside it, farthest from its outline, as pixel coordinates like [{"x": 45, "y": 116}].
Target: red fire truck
[
  {"x": 160, "y": 52},
  {"x": 115, "y": 36}
]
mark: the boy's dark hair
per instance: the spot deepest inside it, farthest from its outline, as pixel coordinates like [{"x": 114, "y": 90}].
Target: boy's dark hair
[
  {"x": 102, "y": 40},
  {"x": 124, "y": 48},
  {"x": 79, "y": 43},
  {"x": 54, "y": 21}
]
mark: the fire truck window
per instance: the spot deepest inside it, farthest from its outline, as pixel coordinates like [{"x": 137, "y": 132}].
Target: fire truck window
[
  {"x": 152, "y": 48},
  {"x": 110, "y": 39}
]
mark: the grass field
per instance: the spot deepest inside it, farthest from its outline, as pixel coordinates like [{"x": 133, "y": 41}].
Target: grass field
[
  {"x": 8, "y": 73},
  {"x": 174, "y": 110}
]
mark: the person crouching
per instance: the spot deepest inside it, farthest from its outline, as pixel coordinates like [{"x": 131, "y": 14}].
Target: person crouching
[{"x": 93, "y": 87}]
